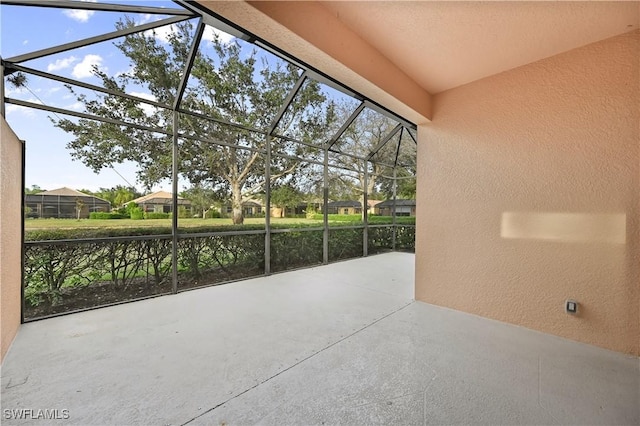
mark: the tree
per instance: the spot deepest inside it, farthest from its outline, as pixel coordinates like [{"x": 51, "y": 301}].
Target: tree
[
  {"x": 35, "y": 189},
  {"x": 118, "y": 195},
  {"x": 79, "y": 206},
  {"x": 226, "y": 83},
  {"x": 285, "y": 196},
  {"x": 202, "y": 199},
  {"x": 363, "y": 136}
]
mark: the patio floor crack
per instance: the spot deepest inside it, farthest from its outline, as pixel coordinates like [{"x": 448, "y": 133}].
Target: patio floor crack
[{"x": 298, "y": 363}]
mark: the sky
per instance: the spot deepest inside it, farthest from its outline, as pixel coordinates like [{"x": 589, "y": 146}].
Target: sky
[{"x": 26, "y": 29}]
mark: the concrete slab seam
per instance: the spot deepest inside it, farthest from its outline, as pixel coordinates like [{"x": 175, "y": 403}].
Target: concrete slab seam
[{"x": 298, "y": 363}]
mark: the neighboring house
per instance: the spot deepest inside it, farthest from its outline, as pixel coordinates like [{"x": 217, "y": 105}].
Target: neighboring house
[
  {"x": 373, "y": 206},
  {"x": 300, "y": 210},
  {"x": 250, "y": 208},
  {"x": 344, "y": 207},
  {"x": 63, "y": 203},
  {"x": 159, "y": 202},
  {"x": 403, "y": 207}
]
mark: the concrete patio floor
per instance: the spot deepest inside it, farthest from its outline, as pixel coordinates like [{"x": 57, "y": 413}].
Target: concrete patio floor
[{"x": 337, "y": 344}]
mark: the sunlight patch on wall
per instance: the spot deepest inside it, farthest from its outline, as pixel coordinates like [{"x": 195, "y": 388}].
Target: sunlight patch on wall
[{"x": 565, "y": 227}]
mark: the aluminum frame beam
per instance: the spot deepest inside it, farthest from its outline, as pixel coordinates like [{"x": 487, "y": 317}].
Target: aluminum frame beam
[
  {"x": 345, "y": 125},
  {"x": 103, "y": 7},
  {"x": 15, "y": 67},
  {"x": 84, "y": 115},
  {"x": 195, "y": 46},
  {"x": 395, "y": 162},
  {"x": 220, "y": 121},
  {"x": 174, "y": 203},
  {"x": 388, "y": 114},
  {"x": 287, "y": 101},
  {"x": 215, "y": 20},
  {"x": 412, "y": 137},
  {"x": 384, "y": 141},
  {"x": 2, "y": 90},
  {"x": 220, "y": 143},
  {"x": 96, "y": 39}
]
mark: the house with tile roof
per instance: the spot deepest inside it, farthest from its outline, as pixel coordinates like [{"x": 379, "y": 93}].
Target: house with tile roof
[{"x": 64, "y": 203}]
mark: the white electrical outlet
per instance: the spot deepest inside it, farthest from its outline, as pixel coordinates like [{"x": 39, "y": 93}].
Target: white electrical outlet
[{"x": 571, "y": 307}]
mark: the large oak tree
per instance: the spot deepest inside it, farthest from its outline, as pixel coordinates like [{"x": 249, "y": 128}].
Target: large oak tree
[{"x": 228, "y": 82}]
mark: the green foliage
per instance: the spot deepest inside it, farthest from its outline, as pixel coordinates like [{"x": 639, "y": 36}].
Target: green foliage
[
  {"x": 406, "y": 238},
  {"x": 17, "y": 79},
  {"x": 285, "y": 196},
  {"x": 229, "y": 256},
  {"x": 311, "y": 212},
  {"x": 213, "y": 214},
  {"x": 35, "y": 189},
  {"x": 296, "y": 249},
  {"x": 136, "y": 213},
  {"x": 345, "y": 243},
  {"x": 339, "y": 217},
  {"x": 183, "y": 212},
  {"x": 118, "y": 195},
  {"x": 202, "y": 199},
  {"x": 105, "y": 215},
  {"x": 380, "y": 239},
  {"x": 154, "y": 215},
  {"x": 111, "y": 264}
]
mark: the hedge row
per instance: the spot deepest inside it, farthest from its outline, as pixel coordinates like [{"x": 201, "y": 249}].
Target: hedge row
[
  {"x": 69, "y": 275},
  {"x": 105, "y": 215},
  {"x": 355, "y": 219}
]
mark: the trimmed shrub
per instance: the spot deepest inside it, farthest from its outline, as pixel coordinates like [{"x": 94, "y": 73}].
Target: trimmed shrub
[
  {"x": 183, "y": 212},
  {"x": 213, "y": 214},
  {"x": 136, "y": 213},
  {"x": 105, "y": 215},
  {"x": 153, "y": 215}
]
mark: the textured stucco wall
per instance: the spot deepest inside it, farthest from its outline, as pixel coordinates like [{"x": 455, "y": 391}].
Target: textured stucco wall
[
  {"x": 10, "y": 201},
  {"x": 529, "y": 195}
]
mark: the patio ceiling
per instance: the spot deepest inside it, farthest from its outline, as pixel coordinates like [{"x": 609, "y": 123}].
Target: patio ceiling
[{"x": 410, "y": 50}]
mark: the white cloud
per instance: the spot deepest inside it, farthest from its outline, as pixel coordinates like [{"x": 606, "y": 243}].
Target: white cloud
[
  {"x": 11, "y": 91},
  {"x": 211, "y": 32},
  {"x": 148, "y": 109},
  {"x": 29, "y": 112},
  {"x": 145, "y": 18},
  {"x": 25, "y": 42},
  {"x": 162, "y": 33},
  {"x": 60, "y": 64},
  {"x": 53, "y": 90},
  {"x": 84, "y": 69},
  {"x": 128, "y": 72},
  {"x": 76, "y": 106},
  {"x": 144, "y": 95},
  {"x": 80, "y": 15}
]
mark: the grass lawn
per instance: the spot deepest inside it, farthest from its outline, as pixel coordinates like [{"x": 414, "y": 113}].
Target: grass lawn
[{"x": 129, "y": 223}]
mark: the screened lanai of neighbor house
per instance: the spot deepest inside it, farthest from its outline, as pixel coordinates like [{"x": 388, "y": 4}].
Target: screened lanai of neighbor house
[{"x": 495, "y": 279}]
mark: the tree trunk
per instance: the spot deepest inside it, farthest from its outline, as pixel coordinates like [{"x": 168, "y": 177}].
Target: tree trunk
[{"x": 236, "y": 203}]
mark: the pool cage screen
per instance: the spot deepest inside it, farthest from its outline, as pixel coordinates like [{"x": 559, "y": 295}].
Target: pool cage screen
[{"x": 294, "y": 128}]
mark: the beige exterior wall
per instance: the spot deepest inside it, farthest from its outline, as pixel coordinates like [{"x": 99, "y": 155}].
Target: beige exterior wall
[
  {"x": 10, "y": 230},
  {"x": 529, "y": 195}
]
